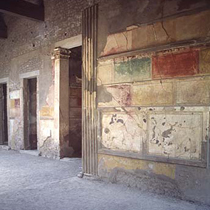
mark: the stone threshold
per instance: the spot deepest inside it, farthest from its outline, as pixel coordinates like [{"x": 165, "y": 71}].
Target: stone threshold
[
  {"x": 4, "y": 147},
  {"x": 30, "y": 152}
]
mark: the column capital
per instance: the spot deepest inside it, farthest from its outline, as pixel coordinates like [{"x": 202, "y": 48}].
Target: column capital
[{"x": 61, "y": 53}]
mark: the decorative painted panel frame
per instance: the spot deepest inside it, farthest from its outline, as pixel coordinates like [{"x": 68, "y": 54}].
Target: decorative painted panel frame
[{"x": 202, "y": 112}]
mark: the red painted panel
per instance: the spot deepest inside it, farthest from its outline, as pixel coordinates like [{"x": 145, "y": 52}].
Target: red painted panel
[{"x": 175, "y": 65}]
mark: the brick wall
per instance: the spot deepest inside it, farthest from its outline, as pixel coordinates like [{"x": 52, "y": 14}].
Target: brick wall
[
  {"x": 28, "y": 48},
  {"x": 62, "y": 20}
]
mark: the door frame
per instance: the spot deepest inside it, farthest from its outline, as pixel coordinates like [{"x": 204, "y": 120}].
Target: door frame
[
  {"x": 61, "y": 58},
  {"x": 3, "y": 81},
  {"x": 23, "y": 77}
]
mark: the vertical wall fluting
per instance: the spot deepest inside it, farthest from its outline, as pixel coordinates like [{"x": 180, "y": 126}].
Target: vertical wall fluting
[{"x": 89, "y": 109}]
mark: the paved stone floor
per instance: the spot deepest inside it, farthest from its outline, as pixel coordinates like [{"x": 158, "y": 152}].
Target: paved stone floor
[{"x": 28, "y": 183}]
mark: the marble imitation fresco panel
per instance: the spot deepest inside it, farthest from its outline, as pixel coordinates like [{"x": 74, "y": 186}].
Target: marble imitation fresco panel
[
  {"x": 123, "y": 131},
  {"x": 172, "y": 133},
  {"x": 175, "y": 135}
]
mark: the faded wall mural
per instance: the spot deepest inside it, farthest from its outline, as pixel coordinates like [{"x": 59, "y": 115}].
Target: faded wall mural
[{"x": 154, "y": 103}]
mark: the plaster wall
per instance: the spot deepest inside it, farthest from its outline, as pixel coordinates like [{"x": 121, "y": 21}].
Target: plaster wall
[
  {"x": 29, "y": 48},
  {"x": 153, "y": 98}
]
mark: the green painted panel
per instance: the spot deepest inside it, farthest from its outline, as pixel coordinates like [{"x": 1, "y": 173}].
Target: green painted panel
[{"x": 137, "y": 69}]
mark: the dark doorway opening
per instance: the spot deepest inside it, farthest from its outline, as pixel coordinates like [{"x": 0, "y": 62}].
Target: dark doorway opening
[
  {"x": 3, "y": 115},
  {"x": 30, "y": 114},
  {"x": 75, "y": 101}
]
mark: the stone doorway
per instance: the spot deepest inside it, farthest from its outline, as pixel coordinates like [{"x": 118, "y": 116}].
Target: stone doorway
[
  {"x": 3, "y": 115},
  {"x": 67, "y": 62},
  {"x": 30, "y": 114},
  {"x": 75, "y": 101}
]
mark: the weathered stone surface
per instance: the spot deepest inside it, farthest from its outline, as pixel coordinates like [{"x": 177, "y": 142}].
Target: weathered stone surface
[
  {"x": 183, "y": 28},
  {"x": 132, "y": 69},
  {"x": 118, "y": 43},
  {"x": 123, "y": 131},
  {"x": 47, "y": 111},
  {"x": 46, "y": 144},
  {"x": 46, "y": 127},
  {"x": 15, "y": 133},
  {"x": 152, "y": 94},
  {"x": 14, "y": 108},
  {"x": 14, "y": 94},
  {"x": 140, "y": 12},
  {"x": 105, "y": 73},
  {"x": 151, "y": 35},
  {"x": 204, "y": 67},
  {"x": 107, "y": 163},
  {"x": 115, "y": 95},
  {"x": 143, "y": 41},
  {"x": 192, "y": 26},
  {"x": 175, "y": 65},
  {"x": 175, "y": 135},
  {"x": 193, "y": 92},
  {"x": 31, "y": 45},
  {"x": 50, "y": 96}
]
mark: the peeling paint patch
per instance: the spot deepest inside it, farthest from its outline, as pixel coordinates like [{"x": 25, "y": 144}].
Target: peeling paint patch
[
  {"x": 123, "y": 131},
  {"x": 47, "y": 146},
  {"x": 151, "y": 35},
  {"x": 193, "y": 92},
  {"x": 152, "y": 94},
  {"x": 175, "y": 135},
  {"x": 103, "y": 95},
  {"x": 118, "y": 43},
  {"x": 175, "y": 65},
  {"x": 14, "y": 94},
  {"x": 105, "y": 73},
  {"x": 50, "y": 96},
  {"x": 195, "y": 26},
  {"x": 15, "y": 133},
  {"x": 107, "y": 163},
  {"x": 116, "y": 95}
]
